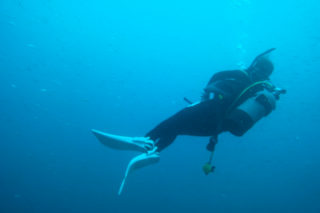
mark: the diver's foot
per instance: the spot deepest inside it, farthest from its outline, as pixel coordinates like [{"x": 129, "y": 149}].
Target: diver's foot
[
  {"x": 140, "y": 161},
  {"x": 144, "y": 142},
  {"x": 153, "y": 151}
]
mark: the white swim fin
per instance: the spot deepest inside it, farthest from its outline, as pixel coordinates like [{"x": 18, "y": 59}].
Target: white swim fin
[
  {"x": 138, "y": 162},
  {"x": 142, "y": 144}
]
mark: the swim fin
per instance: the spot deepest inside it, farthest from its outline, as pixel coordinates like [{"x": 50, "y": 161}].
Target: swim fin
[
  {"x": 142, "y": 160},
  {"x": 142, "y": 144}
]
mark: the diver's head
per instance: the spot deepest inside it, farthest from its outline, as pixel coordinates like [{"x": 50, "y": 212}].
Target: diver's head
[{"x": 260, "y": 70}]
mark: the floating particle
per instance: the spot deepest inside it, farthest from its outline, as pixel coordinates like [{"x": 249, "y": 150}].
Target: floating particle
[
  {"x": 239, "y": 46},
  {"x": 31, "y": 45},
  {"x": 223, "y": 195},
  {"x": 12, "y": 23},
  {"x": 43, "y": 90},
  {"x": 17, "y": 196},
  {"x": 85, "y": 100}
]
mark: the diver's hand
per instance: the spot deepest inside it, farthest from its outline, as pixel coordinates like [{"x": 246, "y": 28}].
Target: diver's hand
[
  {"x": 205, "y": 96},
  {"x": 278, "y": 91}
]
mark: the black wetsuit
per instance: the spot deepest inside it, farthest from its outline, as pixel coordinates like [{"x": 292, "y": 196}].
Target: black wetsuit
[{"x": 205, "y": 118}]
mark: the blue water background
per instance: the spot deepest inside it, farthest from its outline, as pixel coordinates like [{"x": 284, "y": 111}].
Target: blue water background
[{"x": 122, "y": 67}]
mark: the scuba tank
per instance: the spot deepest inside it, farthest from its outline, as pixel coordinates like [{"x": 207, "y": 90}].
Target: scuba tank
[{"x": 244, "y": 116}]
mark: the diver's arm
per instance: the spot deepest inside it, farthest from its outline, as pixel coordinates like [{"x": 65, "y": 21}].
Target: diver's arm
[
  {"x": 208, "y": 92},
  {"x": 218, "y": 76},
  {"x": 211, "y": 88},
  {"x": 223, "y": 75},
  {"x": 210, "y": 85}
]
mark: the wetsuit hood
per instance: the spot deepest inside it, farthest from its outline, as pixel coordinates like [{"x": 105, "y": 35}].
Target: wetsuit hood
[{"x": 261, "y": 67}]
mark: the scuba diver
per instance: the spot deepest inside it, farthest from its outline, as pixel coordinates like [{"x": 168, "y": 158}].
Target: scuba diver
[{"x": 232, "y": 101}]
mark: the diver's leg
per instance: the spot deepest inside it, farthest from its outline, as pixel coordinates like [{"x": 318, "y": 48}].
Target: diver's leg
[
  {"x": 202, "y": 119},
  {"x": 162, "y": 136},
  {"x": 164, "y": 133},
  {"x": 164, "y": 142}
]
